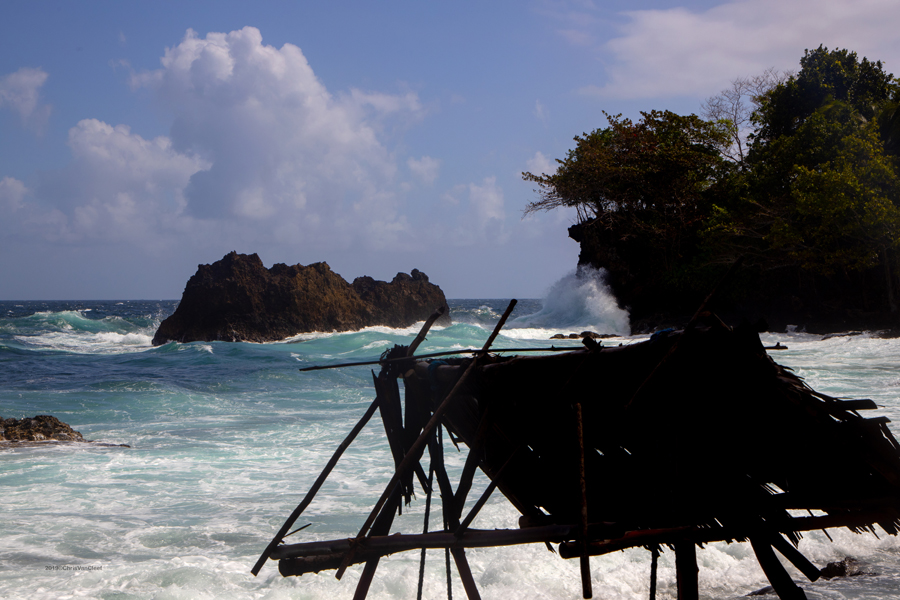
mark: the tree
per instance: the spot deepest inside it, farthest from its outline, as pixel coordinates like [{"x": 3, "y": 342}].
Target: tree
[
  {"x": 646, "y": 179},
  {"x": 825, "y": 76},
  {"x": 821, "y": 191},
  {"x": 733, "y": 109}
]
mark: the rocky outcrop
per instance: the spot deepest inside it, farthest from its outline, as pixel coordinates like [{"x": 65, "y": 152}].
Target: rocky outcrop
[
  {"x": 39, "y": 429},
  {"x": 238, "y": 299}
]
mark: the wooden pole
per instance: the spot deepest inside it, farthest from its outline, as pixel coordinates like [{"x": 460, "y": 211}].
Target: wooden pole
[
  {"x": 315, "y": 487},
  {"x": 425, "y": 530},
  {"x": 465, "y": 573},
  {"x": 686, "y": 571},
  {"x": 782, "y": 583},
  {"x": 584, "y": 559},
  {"x": 335, "y": 457},
  {"x": 414, "y": 451},
  {"x": 382, "y": 526},
  {"x": 654, "y": 561}
]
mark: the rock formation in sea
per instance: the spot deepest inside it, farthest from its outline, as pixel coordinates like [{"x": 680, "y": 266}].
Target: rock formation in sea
[
  {"x": 38, "y": 429},
  {"x": 238, "y": 299}
]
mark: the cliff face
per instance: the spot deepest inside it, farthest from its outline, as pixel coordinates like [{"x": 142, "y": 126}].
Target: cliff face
[
  {"x": 659, "y": 296},
  {"x": 238, "y": 299}
]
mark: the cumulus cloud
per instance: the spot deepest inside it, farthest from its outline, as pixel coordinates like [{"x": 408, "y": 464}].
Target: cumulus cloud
[
  {"x": 258, "y": 150},
  {"x": 280, "y": 145},
  {"x": 480, "y": 211},
  {"x": 12, "y": 194},
  {"x": 679, "y": 51},
  {"x": 119, "y": 186},
  {"x": 541, "y": 165},
  {"x": 20, "y": 92},
  {"x": 425, "y": 168}
]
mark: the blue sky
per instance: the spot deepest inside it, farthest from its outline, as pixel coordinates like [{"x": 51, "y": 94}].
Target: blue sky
[{"x": 139, "y": 139}]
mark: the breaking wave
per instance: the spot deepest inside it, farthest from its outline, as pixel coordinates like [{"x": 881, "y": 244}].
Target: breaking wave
[{"x": 580, "y": 300}]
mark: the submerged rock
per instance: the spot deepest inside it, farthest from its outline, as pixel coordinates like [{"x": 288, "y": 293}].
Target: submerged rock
[
  {"x": 39, "y": 429},
  {"x": 238, "y": 299},
  {"x": 849, "y": 567}
]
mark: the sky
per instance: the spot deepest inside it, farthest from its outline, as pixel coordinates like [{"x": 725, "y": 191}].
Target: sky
[{"x": 140, "y": 139}]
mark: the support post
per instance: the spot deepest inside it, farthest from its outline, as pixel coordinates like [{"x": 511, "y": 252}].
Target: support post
[
  {"x": 779, "y": 578},
  {"x": 584, "y": 559},
  {"x": 686, "y": 571}
]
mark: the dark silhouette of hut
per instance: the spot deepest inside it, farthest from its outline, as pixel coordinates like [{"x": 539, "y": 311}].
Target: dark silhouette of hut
[{"x": 691, "y": 437}]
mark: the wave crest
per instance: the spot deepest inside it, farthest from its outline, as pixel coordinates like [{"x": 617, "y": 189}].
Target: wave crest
[{"x": 580, "y": 300}]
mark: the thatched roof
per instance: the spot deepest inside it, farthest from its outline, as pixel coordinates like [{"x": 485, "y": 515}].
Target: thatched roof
[{"x": 690, "y": 437}]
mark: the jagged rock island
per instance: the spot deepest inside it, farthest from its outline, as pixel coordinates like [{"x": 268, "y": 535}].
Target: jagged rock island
[{"x": 238, "y": 299}]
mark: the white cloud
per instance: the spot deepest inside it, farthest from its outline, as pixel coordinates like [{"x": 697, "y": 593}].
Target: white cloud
[
  {"x": 119, "y": 187},
  {"x": 541, "y": 165},
  {"x": 679, "y": 51},
  {"x": 539, "y": 111},
  {"x": 12, "y": 194},
  {"x": 281, "y": 146},
  {"x": 482, "y": 217},
  {"x": 259, "y": 151},
  {"x": 20, "y": 92},
  {"x": 425, "y": 168}
]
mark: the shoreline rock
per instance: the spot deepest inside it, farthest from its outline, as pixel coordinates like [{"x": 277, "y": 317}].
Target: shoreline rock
[
  {"x": 237, "y": 299},
  {"x": 40, "y": 428}
]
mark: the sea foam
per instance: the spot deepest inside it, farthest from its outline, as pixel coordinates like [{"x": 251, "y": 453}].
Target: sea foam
[{"x": 580, "y": 300}]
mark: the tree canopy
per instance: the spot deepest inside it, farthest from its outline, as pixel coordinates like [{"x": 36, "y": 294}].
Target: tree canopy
[{"x": 797, "y": 172}]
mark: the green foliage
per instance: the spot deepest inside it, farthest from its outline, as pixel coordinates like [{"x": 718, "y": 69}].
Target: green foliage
[
  {"x": 647, "y": 179},
  {"x": 825, "y": 76},
  {"x": 818, "y": 193}
]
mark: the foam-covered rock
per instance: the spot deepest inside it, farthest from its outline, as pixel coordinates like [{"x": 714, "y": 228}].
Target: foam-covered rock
[{"x": 38, "y": 429}]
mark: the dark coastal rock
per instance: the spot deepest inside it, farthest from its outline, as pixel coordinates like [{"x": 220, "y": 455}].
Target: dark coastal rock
[
  {"x": 238, "y": 299},
  {"x": 592, "y": 335},
  {"x": 849, "y": 567},
  {"x": 39, "y": 429}
]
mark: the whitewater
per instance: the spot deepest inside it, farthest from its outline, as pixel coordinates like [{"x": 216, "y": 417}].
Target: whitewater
[{"x": 226, "y": 438}]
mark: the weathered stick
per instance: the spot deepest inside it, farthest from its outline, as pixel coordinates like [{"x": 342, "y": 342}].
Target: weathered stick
[
  {"x": 315, "y": 487},
  {"x": 422, "y": 332},
  {"x": 335, "y": 550},
  {"x": 425, "y": 530},
  {"x": 414, "y": 451},
  {"x": 334, "y": 459},
  {"x": 483, "y": 499},
  {"x": 465, "y": 573},
  {"x": 779, "y": 578},
  {"x": 584, "y": 559},
  {"x": 436, "y": 355}
]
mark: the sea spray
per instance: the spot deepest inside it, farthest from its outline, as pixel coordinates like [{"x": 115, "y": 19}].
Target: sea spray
[{"x": 580, "y": 300}]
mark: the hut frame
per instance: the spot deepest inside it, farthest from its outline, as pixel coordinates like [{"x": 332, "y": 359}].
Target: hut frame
[{"x": 557, "y": 467}]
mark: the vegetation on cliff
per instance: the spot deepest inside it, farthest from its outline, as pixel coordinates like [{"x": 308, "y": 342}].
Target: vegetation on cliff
[{"x": 797, "y": 173}]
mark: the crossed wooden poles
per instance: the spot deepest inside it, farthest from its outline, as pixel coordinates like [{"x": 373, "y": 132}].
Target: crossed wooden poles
[{"x": 379, "y": 520}]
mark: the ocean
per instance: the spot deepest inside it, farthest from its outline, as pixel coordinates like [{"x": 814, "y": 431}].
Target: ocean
[{"x": 226, "y": 438}]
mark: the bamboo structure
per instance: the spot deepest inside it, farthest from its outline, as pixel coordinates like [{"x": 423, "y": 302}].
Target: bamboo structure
[{"x": 691, "y": 437}]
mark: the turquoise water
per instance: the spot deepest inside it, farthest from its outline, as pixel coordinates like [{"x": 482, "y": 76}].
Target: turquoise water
[{"x": 226, "y": 439}]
